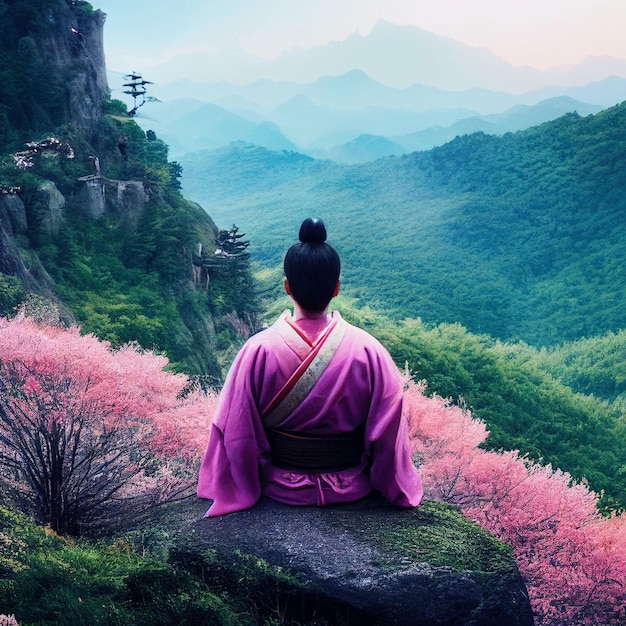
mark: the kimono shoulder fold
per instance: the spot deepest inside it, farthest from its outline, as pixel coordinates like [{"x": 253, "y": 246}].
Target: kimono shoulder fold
[{"x": 303, "y": 379}]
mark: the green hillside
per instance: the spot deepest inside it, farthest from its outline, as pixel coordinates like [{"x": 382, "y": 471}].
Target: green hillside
[
  {"x": 520, "y": 237},
  {"x": 594, "y": 366}
]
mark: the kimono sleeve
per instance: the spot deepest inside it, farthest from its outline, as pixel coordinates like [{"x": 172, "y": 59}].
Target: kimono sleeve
[
  {"x": 392, "y": 472},
  {"x": 229, "y": 474}
]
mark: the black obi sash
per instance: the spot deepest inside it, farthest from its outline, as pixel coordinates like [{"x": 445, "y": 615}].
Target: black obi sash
[{"x": 316, "y": 454}]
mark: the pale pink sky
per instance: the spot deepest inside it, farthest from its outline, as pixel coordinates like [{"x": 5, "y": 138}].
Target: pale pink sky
[{"x": 539, "y": 33}]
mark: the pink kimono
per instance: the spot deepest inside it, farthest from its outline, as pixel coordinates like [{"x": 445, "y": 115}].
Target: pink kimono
[{"x": 360, "y": 387}]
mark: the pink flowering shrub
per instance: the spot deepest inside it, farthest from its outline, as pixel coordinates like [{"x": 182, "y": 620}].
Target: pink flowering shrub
[
  {"x": 572, "y": 558},
  {"x": 8, "y": 620},
  {"x": 85, "y": 429}
]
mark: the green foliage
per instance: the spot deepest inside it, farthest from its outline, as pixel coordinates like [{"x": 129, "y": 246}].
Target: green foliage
[
  {"x": 233, "y": 289},
  {"x": 115, "y": 107},
  {"x": 513, "y": 236},
  {"x": 45, "y": 579},
  {"x": 11, "y": 294},
  {"x": 594, "y": 366}
]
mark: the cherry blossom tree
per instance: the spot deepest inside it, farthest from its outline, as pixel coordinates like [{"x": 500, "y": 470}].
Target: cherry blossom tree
[
  {"x": 572, "y": 558},
  {"x": 86, "y": 430}
]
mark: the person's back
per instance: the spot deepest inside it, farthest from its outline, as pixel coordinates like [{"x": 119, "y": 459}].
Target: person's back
[{"x": 311, "y": 411}]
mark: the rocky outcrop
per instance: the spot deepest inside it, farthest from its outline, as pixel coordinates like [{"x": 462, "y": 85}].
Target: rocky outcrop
[
  {"x": 123, "y": 198},
  {"x": 126, "y": 198},
  {"x": 54, "y": 201},
  {"x": 12, "y": 214},
  {"x": 27, "y": 268},
  {"x": 77, "y": 153},
  {"x": 366, "y": 563},
  {"x": 23, "y": 263},
  {"x": 53, "y": 67},
  {"x": 72, "y": 47}
]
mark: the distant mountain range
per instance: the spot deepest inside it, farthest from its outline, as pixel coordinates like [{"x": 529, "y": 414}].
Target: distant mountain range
[
  {"x": 398, "y": 56},
  {"x": 396, "y": 90},
  {"x": 352, "y": 118}
]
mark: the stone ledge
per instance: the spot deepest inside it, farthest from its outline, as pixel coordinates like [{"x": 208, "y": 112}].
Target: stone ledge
[{"x": 384, "y": 565}]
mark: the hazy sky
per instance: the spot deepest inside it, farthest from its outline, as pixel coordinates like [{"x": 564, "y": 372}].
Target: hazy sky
[{"x": 539, "y": 33}]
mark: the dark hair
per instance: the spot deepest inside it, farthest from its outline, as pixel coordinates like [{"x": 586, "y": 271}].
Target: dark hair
[{"x": 312, "y": 267}]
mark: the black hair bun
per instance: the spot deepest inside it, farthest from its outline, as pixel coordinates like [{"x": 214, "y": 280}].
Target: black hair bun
[{"x": 312, "y": 230}]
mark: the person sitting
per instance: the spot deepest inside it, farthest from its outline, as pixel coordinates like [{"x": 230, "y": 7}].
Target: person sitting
[{"x": 311, "y": 409}]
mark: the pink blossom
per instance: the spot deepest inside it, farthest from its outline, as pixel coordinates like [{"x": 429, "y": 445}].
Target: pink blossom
[
  {"x": 572, "y": 558},
  {"x": 84, "y": 427}
]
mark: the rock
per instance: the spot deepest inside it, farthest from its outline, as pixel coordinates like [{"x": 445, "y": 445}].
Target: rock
[
  {"x": 93, "y": 197},
  {"x": 23, "y": 263},
  {"x": 13, "y": 214},
  {"x": 122, "y": 198},
  {"x": 126, "y": 198},
  {"x": 73, "y": 49},
  {"x": 370, "y": 563},
  {"x": 53, "y": 218}
]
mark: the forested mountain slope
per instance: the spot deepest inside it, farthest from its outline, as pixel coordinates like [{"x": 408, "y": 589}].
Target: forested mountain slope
[
  {"x": 93, "y": 227},
  {"x": 521, "y": 236}
]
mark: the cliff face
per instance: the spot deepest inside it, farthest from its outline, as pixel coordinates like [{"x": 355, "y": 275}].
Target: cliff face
[
  {"x": 22, "y": 264},
  {"x": 73, "y": 48},
  {"x": 91, "y": 215},
  {"x": 52, "y": 61},
  {"x": 52, "y": 54}
]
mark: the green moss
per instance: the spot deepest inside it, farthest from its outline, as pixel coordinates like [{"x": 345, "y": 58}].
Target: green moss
[
  {"x": 266, "y": 594},
  {"x": 437, "y": 534},
  {"x": 86, "y": 7}
]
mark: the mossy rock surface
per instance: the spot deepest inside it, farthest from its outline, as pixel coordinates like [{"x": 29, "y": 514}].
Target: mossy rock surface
[{"x": 362, "y": 561}]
